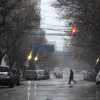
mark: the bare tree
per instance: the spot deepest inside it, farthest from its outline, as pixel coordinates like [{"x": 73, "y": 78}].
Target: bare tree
[
  {"x": 85, "y": 15},
  {"x": 17, "y": 20}
]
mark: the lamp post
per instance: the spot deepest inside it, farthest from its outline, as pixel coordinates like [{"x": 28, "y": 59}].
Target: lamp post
[
  {"x": 36, "y": 58},
  {"x": 29, "y": 57}
]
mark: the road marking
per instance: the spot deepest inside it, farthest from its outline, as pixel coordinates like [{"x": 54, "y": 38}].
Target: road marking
[
  {"x": 29, "y": 90},
  {"x": 35, "y": 89},
  {"x": 28, "y": 94}
]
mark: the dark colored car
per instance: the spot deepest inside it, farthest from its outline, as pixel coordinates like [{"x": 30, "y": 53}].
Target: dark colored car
[
  {"x": 90, "y": 76},
  {"x": 9, "y": 76}
]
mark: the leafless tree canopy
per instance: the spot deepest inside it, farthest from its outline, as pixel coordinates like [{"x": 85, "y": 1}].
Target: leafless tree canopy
[
  {"x": 17, "y": 18},
  {"x": 86, "y": 16}
]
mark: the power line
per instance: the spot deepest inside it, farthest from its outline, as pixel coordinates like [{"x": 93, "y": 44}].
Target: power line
[
  {"x": 55, "y": 25},
  {"x": 62, "y": 30},
  {"x": 51, "y": 34}
]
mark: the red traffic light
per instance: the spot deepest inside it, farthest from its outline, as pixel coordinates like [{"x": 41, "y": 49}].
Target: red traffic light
[{"x": 74, "y": 30}]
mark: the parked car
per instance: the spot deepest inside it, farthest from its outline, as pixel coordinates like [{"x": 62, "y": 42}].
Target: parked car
[
  {"x": 9, "y": 76},
  {"x": 58, "y": 73},
  {"x": 30, "y": 74},
  {"x": 17, "y": 75},
  {"x": 42, "y": 74},
  {"x": 90, "y": 76}
]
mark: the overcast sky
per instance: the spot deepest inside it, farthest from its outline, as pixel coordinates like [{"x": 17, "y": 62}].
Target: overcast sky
[{"x": 50, "y": 19}]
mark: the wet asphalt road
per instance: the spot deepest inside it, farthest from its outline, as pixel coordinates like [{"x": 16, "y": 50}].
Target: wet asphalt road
[{"x": 53, "y": 89}]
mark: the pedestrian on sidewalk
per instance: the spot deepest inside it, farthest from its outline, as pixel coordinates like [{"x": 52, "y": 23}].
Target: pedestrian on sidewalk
[{"x": 71, "y": 77}]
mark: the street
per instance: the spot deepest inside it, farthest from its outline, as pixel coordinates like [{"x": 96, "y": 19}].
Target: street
[
  {"x": 53, "y": 89},
  {"x": 45, "y": 39}
]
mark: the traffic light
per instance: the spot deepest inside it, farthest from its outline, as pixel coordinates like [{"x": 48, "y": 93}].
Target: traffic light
[{"x": 74, "y": 30}]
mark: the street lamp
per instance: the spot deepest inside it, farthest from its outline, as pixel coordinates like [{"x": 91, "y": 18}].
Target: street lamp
[
  {"x": 29, "y": 56},
  {"x": 36, "y": 58}
]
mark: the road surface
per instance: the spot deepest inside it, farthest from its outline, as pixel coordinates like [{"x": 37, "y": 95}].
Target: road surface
[{"x": 53, "y": 89}]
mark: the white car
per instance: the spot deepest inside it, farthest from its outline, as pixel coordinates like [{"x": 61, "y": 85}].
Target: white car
[{"x": 98, "y": 78}]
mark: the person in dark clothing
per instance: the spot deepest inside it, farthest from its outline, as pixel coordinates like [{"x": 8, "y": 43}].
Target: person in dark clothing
[{"x": 71, "y": 77}]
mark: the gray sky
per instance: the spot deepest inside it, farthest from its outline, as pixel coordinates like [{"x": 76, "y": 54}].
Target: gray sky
[{"x": 50, "y": 19}]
